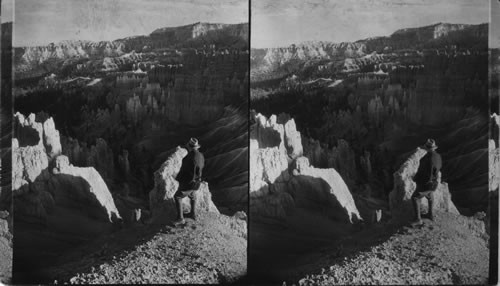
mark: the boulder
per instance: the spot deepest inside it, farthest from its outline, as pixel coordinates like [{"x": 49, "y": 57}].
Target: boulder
[
  {"x": 400, "y": 202},
  {"x": 161, "y": 197}
]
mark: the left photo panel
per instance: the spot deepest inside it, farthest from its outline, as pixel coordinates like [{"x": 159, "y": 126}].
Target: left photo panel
[
  {"x": 130, "y": 141},
  {"x": 6, "y": 209}
]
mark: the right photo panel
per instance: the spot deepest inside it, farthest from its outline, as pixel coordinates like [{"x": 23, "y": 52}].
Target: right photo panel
[{"x": 369, "y": 142}]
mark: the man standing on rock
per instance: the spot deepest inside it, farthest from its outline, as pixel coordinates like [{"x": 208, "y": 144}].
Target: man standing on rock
[
  {"x": 189, "y": 178},
  {"x": 427, "y": 179}
]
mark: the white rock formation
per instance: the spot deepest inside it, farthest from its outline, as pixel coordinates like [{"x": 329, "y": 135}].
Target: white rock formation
[
  {"x": 276, "y": 188},
  {"x": 51, "y": 139},
  {"x": 39, "y": 192},
  {"x": 28, "y": 163},
  {"x": 267, "y": 166},
  {"x": 278, "y": 131}
]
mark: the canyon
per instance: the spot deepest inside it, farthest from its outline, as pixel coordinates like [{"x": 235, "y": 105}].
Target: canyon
[
  {"x": 363, "y": 110},
  {"x": 97, "y": 126}
]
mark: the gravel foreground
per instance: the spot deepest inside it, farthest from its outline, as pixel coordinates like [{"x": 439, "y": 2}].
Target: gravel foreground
[
  {"x": 211, "y": 250},
  {"x": 450, "y": 250}
]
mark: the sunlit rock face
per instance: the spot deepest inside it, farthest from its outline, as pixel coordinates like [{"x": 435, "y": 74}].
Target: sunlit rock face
[{"x": 48, "y": 189}]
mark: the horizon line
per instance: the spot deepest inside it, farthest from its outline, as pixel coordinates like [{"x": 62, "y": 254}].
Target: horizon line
[
  {"x": 116, "y": 39},
  {"x": 339, "y": 42}
]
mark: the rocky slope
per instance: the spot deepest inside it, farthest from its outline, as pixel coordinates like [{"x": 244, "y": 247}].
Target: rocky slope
[
  {"x": 211, "y": 250},
  {"x": 451, "y": 250},
  {"x": 5, "y": 247}
]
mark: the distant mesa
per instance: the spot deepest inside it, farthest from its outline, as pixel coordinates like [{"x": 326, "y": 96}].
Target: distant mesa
[{"x": 275, "y": 62}]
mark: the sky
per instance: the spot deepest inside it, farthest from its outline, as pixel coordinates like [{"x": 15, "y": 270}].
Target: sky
[
  {"x": 282, "y": 23},
  {"x": 7, "y": 10},
  {"x": 38, "y": 22},
  {"x": 495, "y": 25}
]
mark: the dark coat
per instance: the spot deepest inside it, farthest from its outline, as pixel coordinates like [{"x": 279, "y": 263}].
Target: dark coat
[
  {"x": 191, "y": 169},
  {"x": 428, "y": 170}
]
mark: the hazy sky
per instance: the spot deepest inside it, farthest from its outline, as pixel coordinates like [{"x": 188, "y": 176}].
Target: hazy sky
[
  {"x": 495, "y": 24},
  {"x": 281, "y": 23},
  {"x": 7, "y": 10},
  {"x": 42, "y": 22}
]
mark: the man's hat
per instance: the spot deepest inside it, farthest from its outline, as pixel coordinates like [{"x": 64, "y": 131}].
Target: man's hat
[
  {"x": 193, "y": 143},
  {"x": 430, "y": 144}
]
